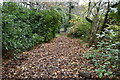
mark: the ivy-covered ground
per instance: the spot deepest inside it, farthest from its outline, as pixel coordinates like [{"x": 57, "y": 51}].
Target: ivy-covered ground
[{"x": 61, "y": 58}]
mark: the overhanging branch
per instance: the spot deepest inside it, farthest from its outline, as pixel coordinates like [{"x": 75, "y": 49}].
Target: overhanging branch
[
  {"x": 114, "y": 5},
  {"x": 89, "y": 20}
]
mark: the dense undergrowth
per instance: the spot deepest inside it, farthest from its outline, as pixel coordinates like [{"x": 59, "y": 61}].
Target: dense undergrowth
[
  {"x": 24, "y": 28},
  {"x": 80, "y": 28},
  {"x": 106, "y": 57}
]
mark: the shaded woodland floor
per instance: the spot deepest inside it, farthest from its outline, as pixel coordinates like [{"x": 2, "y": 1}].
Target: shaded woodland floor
[{"x": 61, "y": 58}]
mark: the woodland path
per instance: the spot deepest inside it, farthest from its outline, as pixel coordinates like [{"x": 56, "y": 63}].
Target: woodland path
[{"x": 60, "y": 58}]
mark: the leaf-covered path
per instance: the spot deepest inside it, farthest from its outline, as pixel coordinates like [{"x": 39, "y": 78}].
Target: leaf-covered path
[{"x": 62, "y": 57}]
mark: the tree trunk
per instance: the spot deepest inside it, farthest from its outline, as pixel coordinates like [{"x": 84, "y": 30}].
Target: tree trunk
[{"x": 70, "y": 9}]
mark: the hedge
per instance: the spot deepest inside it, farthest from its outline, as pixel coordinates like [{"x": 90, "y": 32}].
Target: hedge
[{"x": 23, "y": 28}]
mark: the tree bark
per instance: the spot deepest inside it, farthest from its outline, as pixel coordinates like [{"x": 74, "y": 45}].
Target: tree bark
[{"x": 106, "y": 17}]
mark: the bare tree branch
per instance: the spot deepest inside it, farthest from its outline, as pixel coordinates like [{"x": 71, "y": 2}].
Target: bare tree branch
[{"x": 114, "y": 5}]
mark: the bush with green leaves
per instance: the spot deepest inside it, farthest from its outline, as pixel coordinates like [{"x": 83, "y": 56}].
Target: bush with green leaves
[
  {"x": 81, "y": 30},
  {"x": 23, "y": 28},
  {"x": 64, "y": 17},
  {"x": 114, "y": 15},
  {"x": 106, "y": 57}
]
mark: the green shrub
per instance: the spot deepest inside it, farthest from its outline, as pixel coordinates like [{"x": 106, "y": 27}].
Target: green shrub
[
  {"x": 24, "y": 28},
  {"x": 79, "y": 31},
  {"x": 115, "y": 16},
  {"x": 106, "y": 57},
  {"x": 50, "y": 22}
]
